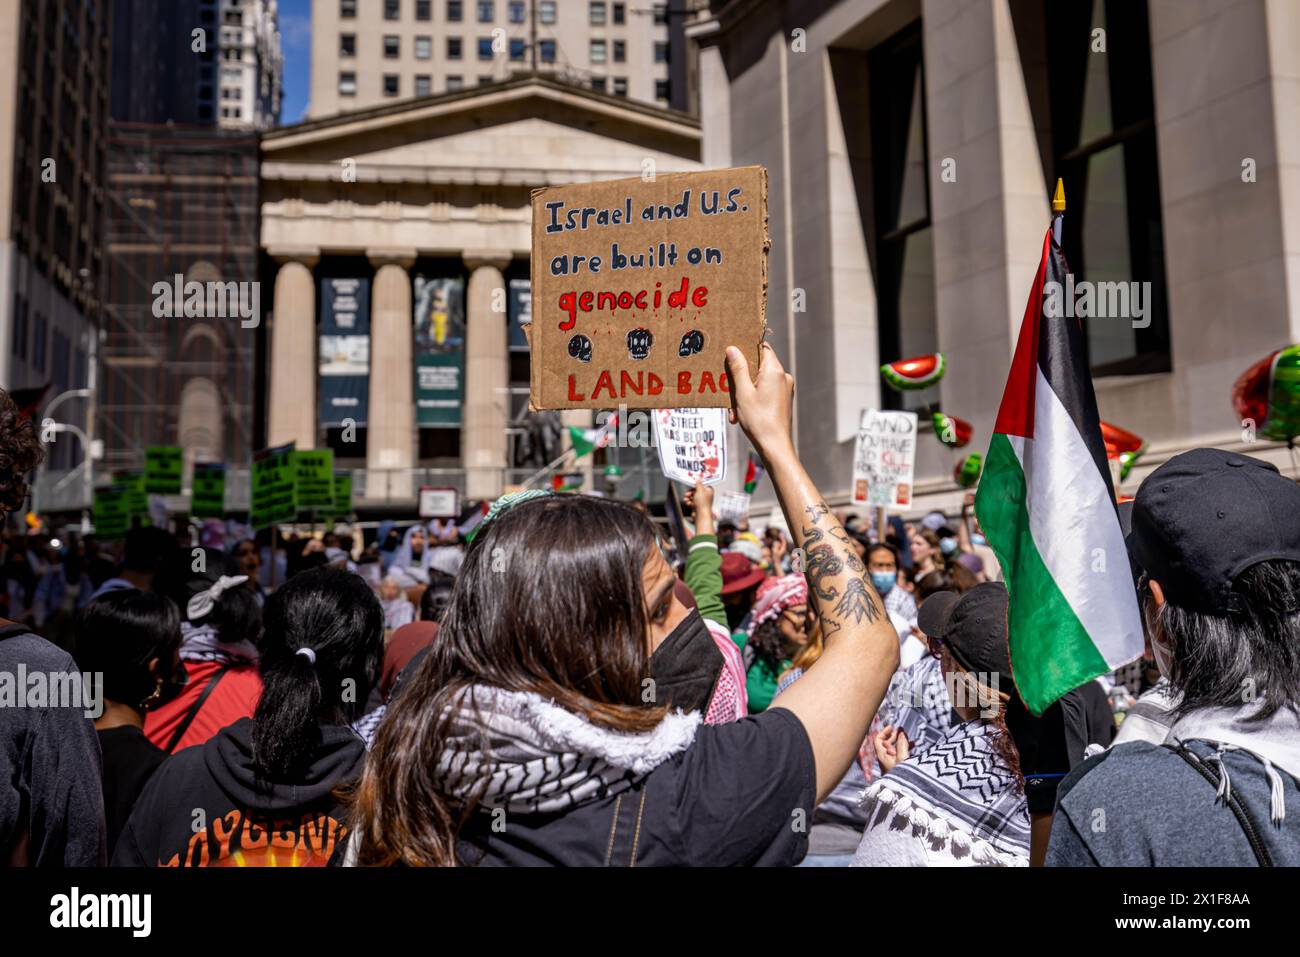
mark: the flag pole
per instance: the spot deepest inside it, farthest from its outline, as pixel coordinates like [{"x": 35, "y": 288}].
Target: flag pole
[{"x": 1058, "y": 210}]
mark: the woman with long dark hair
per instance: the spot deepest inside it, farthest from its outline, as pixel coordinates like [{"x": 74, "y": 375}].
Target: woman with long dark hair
[
  {"x": 542, "y": 728},
  {"x": 265, "y": 788}
]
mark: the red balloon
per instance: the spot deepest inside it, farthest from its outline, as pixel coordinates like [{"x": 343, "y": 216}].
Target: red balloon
[{"x": 1118, "y": 441}]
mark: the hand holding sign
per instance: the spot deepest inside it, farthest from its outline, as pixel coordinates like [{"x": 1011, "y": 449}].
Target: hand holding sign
[{"x": 764, "y": 406}]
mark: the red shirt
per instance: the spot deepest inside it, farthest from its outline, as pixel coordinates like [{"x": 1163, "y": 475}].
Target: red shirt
[
  {"x": 402, "y": 647},
  {"x": 233, "y": 698}
]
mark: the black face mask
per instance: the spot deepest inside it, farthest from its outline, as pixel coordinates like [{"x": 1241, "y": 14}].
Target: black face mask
[{"x": 686, "y": 666}]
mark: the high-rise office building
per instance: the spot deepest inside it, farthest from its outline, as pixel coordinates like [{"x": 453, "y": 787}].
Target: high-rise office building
[{"x": 369, "y": 52}]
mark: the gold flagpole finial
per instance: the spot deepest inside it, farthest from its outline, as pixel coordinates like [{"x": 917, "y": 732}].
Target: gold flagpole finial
[{"x": 1058, "y": 198}]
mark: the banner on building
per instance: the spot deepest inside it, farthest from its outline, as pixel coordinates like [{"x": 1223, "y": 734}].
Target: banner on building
[
  {"x": 520, "y": 313},
  {"x": 884, "y": 459},
  {"x": 208, "y": 490},
  {"x": 314, "y": 480},
  {"x": 639, "y": 287},
  {"x": 344, "y": 351},
  {"x": 272, "y": 491},
  {"x": 112, "y": 512},
  {"x": 439, "y": 323},
  {"x": 692, "y": 444},
  {"x": 163, "y": 465}
]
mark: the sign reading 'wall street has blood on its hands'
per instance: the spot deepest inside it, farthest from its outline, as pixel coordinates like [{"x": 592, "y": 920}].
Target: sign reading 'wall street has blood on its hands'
[{"x": 640, "y": 285}]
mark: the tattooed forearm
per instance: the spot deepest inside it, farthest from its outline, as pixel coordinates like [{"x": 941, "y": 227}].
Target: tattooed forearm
[
  {"x": 817, "y": 512},
  {"x": 856, "y": 603},
  {"x": 850, "y": 556},
  {"x": 823, "y": 564}
]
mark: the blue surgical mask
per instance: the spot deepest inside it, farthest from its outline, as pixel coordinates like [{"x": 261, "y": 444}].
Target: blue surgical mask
[
  {"x": 978, "y": 539},
  {"x": 884, "y": 582},
  {"x": 948, "y": 545}
]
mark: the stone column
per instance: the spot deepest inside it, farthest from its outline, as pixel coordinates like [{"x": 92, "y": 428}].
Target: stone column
[
  {"x": 487, "y": 365},
  {"x": 390, "y": 426},
  {"x": 291, "y": 406}
]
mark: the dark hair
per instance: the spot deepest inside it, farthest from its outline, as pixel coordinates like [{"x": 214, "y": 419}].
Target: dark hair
[
  {"x": 882, "y": 546},
  {"x": 20, "y": 452},
  {"x": 148, "y": 548},
  {"x": 235, "y": 615},
  {"x": 335, "y": 614},
  {"x": 1252, "y": 654},
  {"x": 434, "y": 600},
  {"x": 769, "y": 645},
  {"x": 119, "y": 633},
  {"x": 550, "y": 601}
]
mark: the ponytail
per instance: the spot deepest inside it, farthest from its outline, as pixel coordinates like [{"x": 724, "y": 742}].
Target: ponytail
[{"x": 322, "y": 645}]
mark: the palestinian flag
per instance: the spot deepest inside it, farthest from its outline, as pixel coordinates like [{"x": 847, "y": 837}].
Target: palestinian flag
[
  {"x": 584, "y": 440},
  {"x": 753, "y": 473},
  {"x": 1047, "y": 508}
]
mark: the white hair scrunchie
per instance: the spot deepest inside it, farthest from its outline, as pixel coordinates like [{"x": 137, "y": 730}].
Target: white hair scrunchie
[
  {"x": 307, "y": 653},
  {"x": 203, "y": 603}
]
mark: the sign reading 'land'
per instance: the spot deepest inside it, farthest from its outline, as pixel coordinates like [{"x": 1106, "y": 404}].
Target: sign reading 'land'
[{"x": 640, "y": 285}]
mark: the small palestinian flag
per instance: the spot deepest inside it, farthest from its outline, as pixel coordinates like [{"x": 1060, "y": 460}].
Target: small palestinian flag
[
  {"x": 753, "y": 473},
  {"x": 1046, "y": 506},
  {"x": 584, "y": 440}
]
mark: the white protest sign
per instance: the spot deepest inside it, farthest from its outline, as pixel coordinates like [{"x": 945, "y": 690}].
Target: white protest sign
[
  {"x": 731, "y": 506},
  {"x": 884, "y": 459},
  {"x": 692, "y": 444},
  {"x": 438, "y": 502}
]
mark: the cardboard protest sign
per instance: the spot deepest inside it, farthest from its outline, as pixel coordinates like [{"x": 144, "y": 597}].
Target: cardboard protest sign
[
  {"x": 272, "y": 490},
  {"x": 112, "y": 512},
  {"x": 692, "y": 444},
  {"x": 731, "y": 506},
  {"x": 639, "y": 286},
  {"x": 314, "y": 479},
  {"x": 208, "y": 490},
  {"x": 162, "y": 469},
  {"x": 884, "y": 459}
]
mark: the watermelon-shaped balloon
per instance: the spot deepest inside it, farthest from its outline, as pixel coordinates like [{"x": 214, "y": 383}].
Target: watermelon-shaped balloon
[
  {"x": 1118, "y": 441},
  {"x": 952, "y": 431},
  {"x": 915, "y": 373},
  {"x": 1268, "y": 394},
  {"x": 967, "y": 472},
  {"x": 1127, "y": 460}
]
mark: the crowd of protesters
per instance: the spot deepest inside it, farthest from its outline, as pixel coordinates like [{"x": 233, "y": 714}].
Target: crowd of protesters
[{"x": 560, "y": 682}]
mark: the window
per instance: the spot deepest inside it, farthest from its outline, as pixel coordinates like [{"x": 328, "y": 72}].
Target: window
[
  {"x": 598, "y": 84},
  {"x": 596, "y": 12},
  {"x": 1104, "y": 148},
  {"x": 20, "y": 327},
  {"x": 517, "y": 11},
  {"x": 392, "y": 9},
  {"x": 235, "y": 16},
  {"x": 347, "y": 44},
  {"x": 486, "y": 11},
  {"x": 620, "y": 13},
  {"x": 424, "y": 10},
  {"x": 907, "y": 316},
  {"x": 620, "y": 86},
  {"x": 517, "y": 48},
  {"x": 661, "y": 14},
  {"x": 347, "y": 9},
  {"x": 598, "y": 51},
  {"x": 423, "y": 48},
  {"x": 484, "y": 80},
  {"x": 455, "y": 82},
  {"x": 546, "y": 11},
  {"x": 40, "y": 330},
  {"x": 661, "y": 89},
  {"x": 485, "y": 48},
  {"x": 392, "y": 47},
  {"x": 347, "y": 84},
  {"x": 453, "y": 48},
  {"x": 620, "y": 51},
  {"x": 661, "y": 51},
  {"x": 423, "y": 84},
  {"x": 546, "y": 50},
  {"x": 392, "y": 84},
  {"x": 455, "y": 11}
]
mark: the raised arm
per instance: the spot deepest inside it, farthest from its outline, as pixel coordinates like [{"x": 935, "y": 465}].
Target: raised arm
[{"x": 836, "y": 699}]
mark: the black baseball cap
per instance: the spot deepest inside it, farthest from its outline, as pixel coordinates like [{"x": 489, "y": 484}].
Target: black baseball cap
[
  {"x": 1204, "y": 517},
  {"x": 972, "y": 624}
]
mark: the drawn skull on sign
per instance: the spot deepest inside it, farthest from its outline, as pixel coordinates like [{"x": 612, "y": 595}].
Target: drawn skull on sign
[
  {"x": 580, "y": 348},
  {"x": 692, "y": 343},
  {"x": 639, "y": 342}
]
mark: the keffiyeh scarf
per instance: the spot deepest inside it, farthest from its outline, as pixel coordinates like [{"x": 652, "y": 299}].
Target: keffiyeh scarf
[
  {"x": 959, "y": 796},
  {"x": 776, "y": 595},
  {"x": 519, "y": 751}
]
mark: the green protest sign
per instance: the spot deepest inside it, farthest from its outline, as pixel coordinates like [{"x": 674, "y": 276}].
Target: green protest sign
[
  {"x": 272, "y": 490},
  {"x": 208, "y": 490},
  {"x": 342, "y": 495},
  {"x": 314, "y": 474},
  {"x": 137, "y": 499},
  {"x": 112, "y": 516},
  {"x": 162, "y": 469}
]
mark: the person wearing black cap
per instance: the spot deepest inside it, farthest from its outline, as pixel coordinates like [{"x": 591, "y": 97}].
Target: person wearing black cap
[
  {"x": 961, "y": 802},
  {"x": 1217, "y": 537}
]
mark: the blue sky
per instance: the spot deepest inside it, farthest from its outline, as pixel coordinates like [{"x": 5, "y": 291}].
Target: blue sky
[{"x": 295, "y": 40}]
